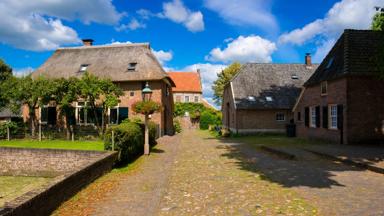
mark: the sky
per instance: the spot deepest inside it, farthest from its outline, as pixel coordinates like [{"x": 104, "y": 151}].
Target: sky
[{"x": 185, "y": 35}]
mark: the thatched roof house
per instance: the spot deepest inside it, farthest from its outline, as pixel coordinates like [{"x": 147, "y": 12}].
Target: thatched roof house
[
  {"x": 261, "y": 96},
  {"x": 121, "y": 62}
]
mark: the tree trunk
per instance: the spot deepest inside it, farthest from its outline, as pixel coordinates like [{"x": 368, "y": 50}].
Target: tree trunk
[{"x": 68, "y": 127}]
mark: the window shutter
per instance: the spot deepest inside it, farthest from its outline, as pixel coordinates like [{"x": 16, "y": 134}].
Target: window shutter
[
  {"x": 325, "y": 117},
  {"x": 340, "y": 117},
  {"x": 318, "y": 116},
  {"x": 306, "y": 117}
]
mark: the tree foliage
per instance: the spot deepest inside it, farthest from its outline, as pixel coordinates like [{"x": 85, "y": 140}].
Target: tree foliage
[
  {"x": 5, "y": 76},
  {"x": 378, "y": 22},
  {"x": 223, "y": 79}
]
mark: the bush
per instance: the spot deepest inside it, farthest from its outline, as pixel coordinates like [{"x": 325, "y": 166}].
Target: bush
[
  {"x": 15, "y": 128},
  {"x": 129, "y": 140},
  {"x": 208, "y": 118},
  {"x": 177, "y": 125}
]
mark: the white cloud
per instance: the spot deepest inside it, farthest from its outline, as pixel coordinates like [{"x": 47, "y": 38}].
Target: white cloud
[
  {"x": 244, "y": 49},
  {"x": 245, "y": 12},
  {"x": 163, "y": 56},
  {"x": 113, "y": 42},
  {"x": 208, "y": 75},
  {"x": 346, "y": 14},
  {"x": 177, "y": 12},
  {"x": 36, "y": 25},
  {"x": 134, "y": 24},
  {"x": 355, "y": 14},
  {"x": 20, "y": 72}
]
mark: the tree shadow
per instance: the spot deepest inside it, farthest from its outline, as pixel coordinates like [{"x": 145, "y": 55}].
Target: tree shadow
[
  {"x": 157, "y": 151},
  {"x": 288, "y": 173}
]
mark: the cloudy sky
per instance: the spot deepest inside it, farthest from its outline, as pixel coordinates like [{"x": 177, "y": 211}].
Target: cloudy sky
[{"x": 184, "y": 34}]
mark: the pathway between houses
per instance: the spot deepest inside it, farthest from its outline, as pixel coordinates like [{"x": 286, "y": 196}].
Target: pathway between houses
[{"x": 195, "y": 174}]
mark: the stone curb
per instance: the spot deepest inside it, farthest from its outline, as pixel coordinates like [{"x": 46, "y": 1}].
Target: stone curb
[
  {"x": 279, "y": 152},
  {"x": 348, "y": 161}
]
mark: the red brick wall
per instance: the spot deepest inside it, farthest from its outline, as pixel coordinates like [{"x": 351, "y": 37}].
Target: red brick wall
[
  {"x": 365, "y": 110},
  {"x": 228, "y": 109},
  {"x": 337, "y": 94}
]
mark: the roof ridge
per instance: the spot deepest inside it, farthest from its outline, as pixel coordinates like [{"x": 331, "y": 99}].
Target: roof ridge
[{"x": 106, "y": 46}]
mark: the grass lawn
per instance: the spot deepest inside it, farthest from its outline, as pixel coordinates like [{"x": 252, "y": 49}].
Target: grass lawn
[
  {"x": 54, "y": 144},
  {"x": 12, "y": 187}
]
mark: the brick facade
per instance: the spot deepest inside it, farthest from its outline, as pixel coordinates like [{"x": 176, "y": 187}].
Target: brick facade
[
  {"x": 363, "y": 110},
  {"x": 162, "y": 94},
  {"x": 252, "y": 121}
]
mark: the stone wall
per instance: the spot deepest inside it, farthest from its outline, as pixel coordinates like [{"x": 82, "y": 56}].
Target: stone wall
[{"x": 75, "y": 169}]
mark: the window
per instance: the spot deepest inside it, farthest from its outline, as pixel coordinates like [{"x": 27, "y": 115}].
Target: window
[
  {"x": 313, "y": 117},
  {"x": 132, "y": 66},
  {"x": 298, "y": 116},
  {"x": 83, "y": 68},
  {"x": 269, "y": 99},
  {"x": 186, "y": 99},
  {"x": 333, "y": 116},
  {"x": 117, "y": 115},
  {"x": 48, "y": 115},
  {"x": 251, "y": 98},
  {"x": 330, "y": 62},
  {"x": 85, "y": 115},
  {"x": 295, "y": 77},
  {"x": 324, "y": 88},
  {"x": 196, "y": 99},
  {"x": 132, "y": 93},
  {"x": 178, "y": 98},
  {"x": 280, "y": 117},
  {"x": 167, "y": 91}
]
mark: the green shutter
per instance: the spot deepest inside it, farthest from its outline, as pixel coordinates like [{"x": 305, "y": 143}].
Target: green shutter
[
  {"x": 306, "y": 117},
  {"x": 325, "y": 116},
  {"x": 318, "y": 116}
]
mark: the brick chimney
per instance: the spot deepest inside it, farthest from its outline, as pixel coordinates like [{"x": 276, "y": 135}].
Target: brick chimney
[
  {"x": 308, "y": 60},
  {"x": 87, "y": 42}
]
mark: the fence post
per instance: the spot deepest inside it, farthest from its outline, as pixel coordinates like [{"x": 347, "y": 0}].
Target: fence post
[
  {"x": 40, "y": 131},
  {"x": 8, "y": 133},
  {"x": 113, "y": 141},
  {"x": 72, "y": 133}
]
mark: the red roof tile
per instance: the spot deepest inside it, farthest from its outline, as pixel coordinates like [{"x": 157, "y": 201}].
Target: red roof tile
[{"x": 186, "y": 81}]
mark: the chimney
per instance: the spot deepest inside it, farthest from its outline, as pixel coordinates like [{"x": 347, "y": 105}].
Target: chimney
[
  {"x": 308, "y": 60},
  {"x": 87, "y": 42}
]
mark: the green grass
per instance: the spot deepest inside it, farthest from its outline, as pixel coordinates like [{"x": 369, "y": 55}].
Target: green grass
[
  {"x": 54, "y": 144},
  {"x": 12, "y": 187}
]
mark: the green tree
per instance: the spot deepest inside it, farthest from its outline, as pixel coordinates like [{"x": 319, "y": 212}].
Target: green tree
[
  {"x": 65, "y": 95},
  {"x": 378, "y": 22},
  {"x": 102, "y": 92},
  {"x": 33, "y": 93},
  {"x": 223, "y": 79},
  {"x": 5, "y": 79}
]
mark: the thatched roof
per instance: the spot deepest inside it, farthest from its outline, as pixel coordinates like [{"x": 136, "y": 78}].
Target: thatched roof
[
  {"x": 108, "y": 61},
  {"x": 269, "y": 86},
  {"x": 353, "y": 54},
  {"x": 7, "y": 113}
]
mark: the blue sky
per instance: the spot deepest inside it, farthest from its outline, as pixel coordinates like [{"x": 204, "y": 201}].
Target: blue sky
[{"x": 184, "y": 34}]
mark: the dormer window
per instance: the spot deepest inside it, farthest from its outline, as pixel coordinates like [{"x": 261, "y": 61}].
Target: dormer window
[
  {"x": 251, "y": 98},
  {"x": 330, "y": 62},
  {"x": 83, "y": 68},
  {"x": 269, "y": 99},
  {"x": 132, "y": 66},
  {"x": 295, "y": 77}
]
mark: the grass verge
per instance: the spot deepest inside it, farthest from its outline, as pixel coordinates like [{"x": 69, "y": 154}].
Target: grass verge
[{"x": 54, "y": 144}]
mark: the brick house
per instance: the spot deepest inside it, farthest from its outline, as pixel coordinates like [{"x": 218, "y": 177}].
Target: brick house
[
  {"x": 188, "y": 87},
  {"x": 260, "y": 97},
  {"x": 129, "y": 66},
  {"x": 343, "y": 101}
]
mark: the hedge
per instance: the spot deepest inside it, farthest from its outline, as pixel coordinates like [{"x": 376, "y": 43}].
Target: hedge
[{"x": 129, "y": 139}]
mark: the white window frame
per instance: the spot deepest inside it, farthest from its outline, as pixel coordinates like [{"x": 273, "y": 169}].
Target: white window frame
[
  {"x": 196, "y": 100},
  {"x": 77, "y": 113},
  {"x": 332, "y": 117},
  {"x": 312, "y": 115},
  {"x": 280, "y": 120},
  {"x": 185, "y": 98},
  {"x": 44, "y": 122},
  {"x": 117, "y": 113}
]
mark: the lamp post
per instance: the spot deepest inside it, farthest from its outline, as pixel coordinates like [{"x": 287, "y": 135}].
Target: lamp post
[{"x": 147, "y": 94}]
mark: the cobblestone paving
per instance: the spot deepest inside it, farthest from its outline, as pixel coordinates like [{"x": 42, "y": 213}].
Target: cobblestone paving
[{"x": 207, "y": 180}]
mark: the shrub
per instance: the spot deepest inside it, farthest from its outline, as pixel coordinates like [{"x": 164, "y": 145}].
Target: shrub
[
  {"x": 146, "y": 107},
  {"x": 15, "y": 128},
  {"x": 177, "y": 125},
  {"x": 208, "y": 118},
  {"x": 129, "y": 140}
]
